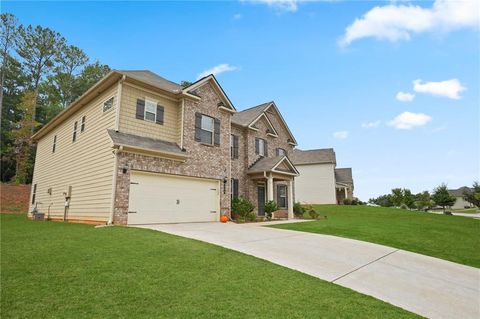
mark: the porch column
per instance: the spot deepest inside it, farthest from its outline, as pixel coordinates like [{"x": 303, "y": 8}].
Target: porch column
[
  {"x": 345, "y": 190},
  {"x": 270, "y": 187},
  {"x": 290, "y": 199}
]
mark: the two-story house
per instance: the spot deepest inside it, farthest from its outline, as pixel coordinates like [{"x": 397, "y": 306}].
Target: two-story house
[{"x": 138, "y": 149}]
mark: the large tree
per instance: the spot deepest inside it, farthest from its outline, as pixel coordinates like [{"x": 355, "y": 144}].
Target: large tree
[
  {"x": 397, "y": 197},
  {"x": 408, "y": 198},
  {"x": 423, "y": 200},
  {"x": 8, "y": 34},
  {"x": 39, "y": 48},
  {"x": 442, "y": 197}
]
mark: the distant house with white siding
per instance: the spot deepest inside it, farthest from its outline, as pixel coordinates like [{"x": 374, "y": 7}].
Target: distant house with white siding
[{"x": 460, "y": 202}]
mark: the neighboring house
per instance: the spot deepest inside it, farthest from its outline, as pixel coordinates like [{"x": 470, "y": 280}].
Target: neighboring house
[
  {"x": 319, "y": 181},
  {"x": 137, "y": 148},
  {"x": 460, "y": 203}
]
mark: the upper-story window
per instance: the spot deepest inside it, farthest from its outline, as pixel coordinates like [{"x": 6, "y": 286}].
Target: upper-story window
[
  {"x": 207, "y": 129},
  {"x": 108, "y": 104},
  {"x": 233, "y": 146},
  {"x": 261, "y": 147},
  {"x": 54, "y": 144},
  {"x": 281, "y": 152},
  {"x": 74, "y": 136},
  {"x": 150, "y": 110},
  {"x": 82, "y": 126}
]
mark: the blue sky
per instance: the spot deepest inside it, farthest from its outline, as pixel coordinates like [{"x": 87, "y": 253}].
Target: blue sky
[{"x": 326, "y": 81}]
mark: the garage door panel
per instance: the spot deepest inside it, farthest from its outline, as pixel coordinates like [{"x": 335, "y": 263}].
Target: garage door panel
[{"x": 156, "y": 198}]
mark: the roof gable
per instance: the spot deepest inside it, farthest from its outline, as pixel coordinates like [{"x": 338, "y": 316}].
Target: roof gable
[
  {"x": 318, "y": 156},
  {"x": 227, "y": 105},
  {"x": 278, "y": 164}
]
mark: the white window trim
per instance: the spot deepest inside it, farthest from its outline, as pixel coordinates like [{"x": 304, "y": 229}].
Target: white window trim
[
  {"x": 111, "y": 107},
  {"x": 207, "y": 130},
  {"x": 145, "y": 111},
  {"x": 283, "y": 196},
  {"x": 261, "y": 147}
]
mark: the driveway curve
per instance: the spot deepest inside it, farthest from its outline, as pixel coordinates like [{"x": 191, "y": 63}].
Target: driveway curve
[{"x": 428, "y": 286}]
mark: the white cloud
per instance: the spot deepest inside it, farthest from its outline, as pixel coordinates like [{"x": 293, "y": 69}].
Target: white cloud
[
  {"x": 218, "y": 69},
  {"x": 398, "y": 22},
  {"x": 237, "y": 16},
  {"x": 371, "y": 124},
  {"x": 409, "y": 120},
  {"x": 280, "y": 5},
  {"x": 341, "y": 135},
  {"x": 405, "y": 97},
  {"x": 450, "y": 88}
]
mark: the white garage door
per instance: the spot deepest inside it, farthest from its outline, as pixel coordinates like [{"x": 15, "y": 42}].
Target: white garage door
[{"x": 156, "y": 198}]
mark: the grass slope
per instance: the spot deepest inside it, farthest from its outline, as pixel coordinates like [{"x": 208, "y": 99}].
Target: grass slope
[
  {"x": 76, "y": 271},
  {"x": 448, "y": 237}
]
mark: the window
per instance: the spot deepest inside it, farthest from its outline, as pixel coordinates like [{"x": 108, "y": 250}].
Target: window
[
  {"x": 34, "y": 193},
  {"x": 281, "y": 152},
  {"x": 282, "y": 196},
  {"x": 82, "y": 127},
  {"x": 54, "y": 144},
  {"x": 207, "y": 130},
  {"x": 233, "y": 146},
  {"x": 150, "y": 110},
  {"x": 261, "y": 147},
  {"x": 74, "y": 137},
  {"x": 234, "y": 188},
  {"x": 108, "y": 104}
]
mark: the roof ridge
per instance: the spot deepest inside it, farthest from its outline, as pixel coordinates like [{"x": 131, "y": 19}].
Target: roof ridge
[{"x": 252, "y": 107}]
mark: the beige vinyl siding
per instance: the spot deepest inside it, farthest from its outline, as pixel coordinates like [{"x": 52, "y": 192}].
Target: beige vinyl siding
[
  {"x": 169, "y": 131},
  {"x": 316, "y": 184},
  {"x": 86, "y": 165}
]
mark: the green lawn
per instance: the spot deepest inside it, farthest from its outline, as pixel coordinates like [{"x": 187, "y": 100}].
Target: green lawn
[
  {"x": 466, "y": 210},
  {"x": 449, "y": 237},
  {"x": 52, "y": 269}
]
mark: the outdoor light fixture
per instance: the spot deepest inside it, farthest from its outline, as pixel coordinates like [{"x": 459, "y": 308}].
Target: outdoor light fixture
[
  {"x": 225, "y": 185},
  {"x": 125, "y": 169}
]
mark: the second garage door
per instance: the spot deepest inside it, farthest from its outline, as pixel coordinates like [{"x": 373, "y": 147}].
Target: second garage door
[{"x": 156, "y": 198}]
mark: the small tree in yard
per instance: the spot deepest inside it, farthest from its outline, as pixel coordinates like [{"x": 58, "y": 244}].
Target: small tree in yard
[
  {"x": 408, "y": 198},
  {"x": 473, "y": 196},
  {"x": 423, "y": 201},
  {"x": 242, "y": 207},
  {"x": 270, "y": 207},
  {"x": 397, "y": 197},
  {"x": 442, "y": 197}
]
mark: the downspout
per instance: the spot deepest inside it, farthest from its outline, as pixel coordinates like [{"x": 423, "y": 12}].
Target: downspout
[
  {"x": 119, "y": 102},
  {"x": 181, "y": 123},
  {"x": 114, "y": 187}
]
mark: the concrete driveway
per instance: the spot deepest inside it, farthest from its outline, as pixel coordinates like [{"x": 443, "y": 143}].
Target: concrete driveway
[{"x": 428, "y": 286}]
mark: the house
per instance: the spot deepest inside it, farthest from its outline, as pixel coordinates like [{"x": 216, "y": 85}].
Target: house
[
  {"x": 138, "y": 149},
  {"x": 460, "y": 202},
  {"x": 320, "y": 182}
]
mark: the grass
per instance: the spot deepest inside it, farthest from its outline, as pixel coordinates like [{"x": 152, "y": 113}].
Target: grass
[
  {"x": 466, "y": 210},
  {"x": 448, "y": 237},
  {"x": 57, "y": 270}
]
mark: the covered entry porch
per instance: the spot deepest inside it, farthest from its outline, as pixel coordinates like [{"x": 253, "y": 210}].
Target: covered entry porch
[{"x": 273, "y": 179}]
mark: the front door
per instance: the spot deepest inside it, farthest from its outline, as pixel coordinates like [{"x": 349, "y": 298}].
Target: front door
[{"x": 261, "y": 200}]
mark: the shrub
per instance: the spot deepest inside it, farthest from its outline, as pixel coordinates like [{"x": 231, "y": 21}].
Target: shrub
[
  {"x": 298, "y": 210},
  {"x": 270, "y": 207},
  {"x": 347, "y": 201},
  {"x": 251, "y": 217},
  {"x": 242, "y": 206},
  {"x": 311, "y": 212}
]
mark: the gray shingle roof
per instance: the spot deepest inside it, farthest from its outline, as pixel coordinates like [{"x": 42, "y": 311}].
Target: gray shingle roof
[
  {"x": 245, "y": 117},
  {"x": 145, "y": 143},
  {"x": 153, "y": 79},
  {"x": 343, "y": 175},
  {"x": 459, "y": 192},
  {"x": 325, "y": 155}
]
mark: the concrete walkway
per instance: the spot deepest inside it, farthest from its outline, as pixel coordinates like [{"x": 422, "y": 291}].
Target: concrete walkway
[{"x": 428, "y": 286}]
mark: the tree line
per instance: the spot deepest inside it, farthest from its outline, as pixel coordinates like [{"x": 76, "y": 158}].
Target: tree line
[
  {"x": 40, "y": 75},
  {"x": 404, "y": 198}
]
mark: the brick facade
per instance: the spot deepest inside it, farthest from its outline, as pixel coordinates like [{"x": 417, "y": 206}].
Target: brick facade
[{"x": 204, "y": 161}]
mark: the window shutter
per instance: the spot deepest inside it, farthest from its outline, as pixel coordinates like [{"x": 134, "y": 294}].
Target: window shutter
[
  {"x": 140, "y": 114},
  {"x": 198, "y": 126},
  {"x": 235, "y": 146},
  {"x": 257, "y": 146},
  {"x": 278, "y": 195},
  {"x": 277, "y": 153},
  {"x": 160, "y": 111},
  {"x": 286, "y": 196},
  {"x": 265, "y": 145},
  {"x": 217, "y": 132},
  {"x": 235, "y": 188}
]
